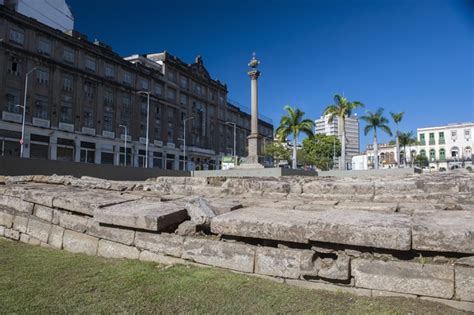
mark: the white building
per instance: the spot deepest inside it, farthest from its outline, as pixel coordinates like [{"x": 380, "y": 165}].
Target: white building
[
  {"x": 54, "y": 13},
  {"x": 323, "y": 126},
  {"x": 446, "y": 147}
]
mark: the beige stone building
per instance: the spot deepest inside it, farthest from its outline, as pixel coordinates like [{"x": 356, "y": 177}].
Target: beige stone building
[{"x": 82, "y": 94}]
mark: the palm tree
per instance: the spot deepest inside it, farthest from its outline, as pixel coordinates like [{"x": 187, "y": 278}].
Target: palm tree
[
  {"x": 293, "y": 123},
  {"x": 376, "y": 121},
  {"x": 406, "y": 138},
  {"x": 397, "y": 117},
  {"x": 341, "y": 110}
]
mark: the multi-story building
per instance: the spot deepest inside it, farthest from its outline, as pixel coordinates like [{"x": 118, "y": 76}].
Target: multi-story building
[
  {"x": 323, "y": 126},
  {"x": 445, "y": 147},
  {"x": 448, "y": 146},
  {"x": 81, "y": 97}
]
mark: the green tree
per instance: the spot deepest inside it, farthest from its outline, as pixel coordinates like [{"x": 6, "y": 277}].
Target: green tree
[
  {"x": 397, "y": 118},
  {"x": 341, "y": 109},
  {"x": 320, "y": 151},
  {"x": 376, "y": 121},
  {"x": 405, "y": 139},
  {"x": 278, "y": 152},
  {"x": 421, "y": 161},
  {"x": 293, "y": 124}
]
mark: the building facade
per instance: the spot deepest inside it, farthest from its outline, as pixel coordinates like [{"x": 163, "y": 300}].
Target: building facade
[
  {"x": 445, "y": 147},
  {"x": 82, "y": 99},
  {"x": 323, "y": 126}
]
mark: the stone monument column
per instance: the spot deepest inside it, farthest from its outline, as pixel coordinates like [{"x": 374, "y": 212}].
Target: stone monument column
[{"x": 253, "y": 138}]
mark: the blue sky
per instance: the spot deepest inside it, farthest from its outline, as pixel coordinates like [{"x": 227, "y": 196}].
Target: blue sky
[{"x": 415, "y": 56}]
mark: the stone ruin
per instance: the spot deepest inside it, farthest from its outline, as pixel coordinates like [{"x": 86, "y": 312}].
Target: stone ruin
[{"x": 409, "y": 236}]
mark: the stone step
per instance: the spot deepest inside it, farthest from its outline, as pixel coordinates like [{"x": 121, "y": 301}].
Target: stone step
[
  {"x": 142, "y": 214},
  {"x": 360, "y": 228}
]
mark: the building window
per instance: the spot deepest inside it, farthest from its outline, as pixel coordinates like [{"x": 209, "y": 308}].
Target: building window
[
  {"x": 441, "y": 138},
  {"x": 108, "y": 121},
  {"x": 171, "y": 74},
  {"x": 144, "y": 84},
  {"x": 183, "y": 81},
  {"x": 39, "y": 147},
  {"x": 422, "y": 139},
  {"x": 171, "y": 93},
  {"x": 159, "y": 89},
  {"x": 17, "y": 36},
  {"x": 42, "y": 76},
  {"x": 141, "y": 158},
  {"x": 90, "y": 64},
  {"x": 467, "y": 133},
  {"x": 442, "y": 154},
  {"x": 87, "y": 152},
  {"x": 108, "y": 98},
  {"x": 109, "y": 71},
  {"x": 422, "y": 152},
  {"x": 69, "y": 55},
  {"x": 13, "y": 99},
  {"x": 65, "y": 150},
  {"x": 67, "y": 83},
  {"x": 432, "y": 138},
  {"x": 88, "y": 120},
  {"x": 122, "y": 156},
  {"x": 127, "y": 78},
  {"x": 44, "y": 46},
  {"x": 453, "y": 134},
  {"x": 157, "y": 160},
  {"x": 14, "y": 66},
  {"x": 66, "y": 112},
  {"x": 89, "y": 89},
  {"x": 183, "y": 99},
  {"x": 454, "y": 152},
  {"x": 41, "y": 107},
  {"x": 169, "y": 161},
  {"x": 432, "y": 155},
  {"x": 170, "y": 132},
  {"x": 107, "y": 158},
  {"x": 221, "y": 99}
]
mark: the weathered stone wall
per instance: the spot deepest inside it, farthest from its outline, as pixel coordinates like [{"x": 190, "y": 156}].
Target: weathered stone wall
[{"x": 407, "y": 236}]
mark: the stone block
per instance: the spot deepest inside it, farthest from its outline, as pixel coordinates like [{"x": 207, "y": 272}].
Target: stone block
[
  {"x": 464, "y": 283},
  {"x": 199, "y": 211},
  {"x": 164, "y": 243},
  {"x": 328, "y": 268},
  {"x": 278, "y": 262},
  {"x": 86, "y": 201},
  {"x": 221, "y": 206},
  {"x": 465, "y": 306},
  {"x": 329, "y": 287},
  {"x": 16, "y": 203},
  {"x": 79, "y": 223},
  {"x": 38, "y": 229},
  {"x": 233, "y": 256},
  {"x": 142, "y": 214},
  {"x": 6, "y": 219},
  {"x": 263, "y": 223},
  {"x": 80, "y": 243},
  {"x": 368, "y": 206},
  {"x": 159, "y": 258},
  {"x": 56, "y": 237},
  {"x": 34, "y": 241},
  {"x": 444, "y": 231},
  {"x": 20, "y": 223},
  {"x": 187, "y": 228},
  {"x": 116, "y": 250},
  {"x": 12, "y": 234},
  {"x": 43, "y": 212},
  {"x": 361, "y": 228},
  {"x": 2, "y": 230},
  {"x": 118, "y": 235},
  {"x": 24, "y": 238},
  {"x": 404, "y": 277}
]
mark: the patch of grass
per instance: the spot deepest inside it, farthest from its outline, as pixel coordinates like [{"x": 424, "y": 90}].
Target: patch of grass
[{"x": 40, "y": 280}]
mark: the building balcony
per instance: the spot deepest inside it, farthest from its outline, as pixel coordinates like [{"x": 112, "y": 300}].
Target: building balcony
[
  {"x": 88, "y": 131},
  {"x": 432, "y": 142},
  {"x": 108, "y": 134},
  {"x": 142, "y": 140},
  {"x": 158, "y": 143},
  {"x": 66, "y": 127},
  {"x": 40, "y": 122},
  {"x": 9, "y": 116},
  {"x": 442, "y": 141},
  {"x": 422, "y": 142},
  {"x": 122, "y": 137}
]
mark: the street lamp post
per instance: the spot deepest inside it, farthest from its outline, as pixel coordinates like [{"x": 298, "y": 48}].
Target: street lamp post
[
  {"x": 184, "y": 142},
  {"x": 235, "y": 126},
  {"x": 147, "y": 93},
  {"x": 125, "y": 144},
  {"x": 22, "y": 141}
]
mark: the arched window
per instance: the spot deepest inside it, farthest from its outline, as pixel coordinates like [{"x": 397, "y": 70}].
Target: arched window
[
  {"x": 432, "y": 155},
  {"x": 454, "y": 152},
  {"x": 442, "y": 154},
  {"x": 467, "y": 153},
  {"x": 413, "y": 153},
  {"x": 422, "y": 152}
]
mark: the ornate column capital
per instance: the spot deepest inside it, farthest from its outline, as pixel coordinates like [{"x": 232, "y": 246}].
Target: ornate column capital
[{"x": 254, "y": 74}]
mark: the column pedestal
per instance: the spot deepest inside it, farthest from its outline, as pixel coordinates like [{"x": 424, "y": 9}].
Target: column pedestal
[{"x": 251, "y": 161}]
